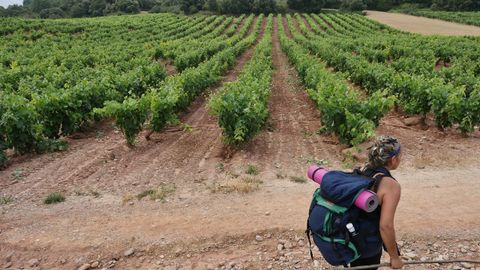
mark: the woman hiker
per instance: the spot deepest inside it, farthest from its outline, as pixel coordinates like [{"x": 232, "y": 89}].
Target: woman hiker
[
  {"x": 384, "y": 156},
  {"x": 345, "y": 233}
]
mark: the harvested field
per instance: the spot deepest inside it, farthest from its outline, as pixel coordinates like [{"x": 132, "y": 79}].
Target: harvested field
[{"x": 422, "y": 25}]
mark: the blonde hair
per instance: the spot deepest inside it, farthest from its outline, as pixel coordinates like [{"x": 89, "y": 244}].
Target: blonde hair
[{"x": 384, "y": 148}]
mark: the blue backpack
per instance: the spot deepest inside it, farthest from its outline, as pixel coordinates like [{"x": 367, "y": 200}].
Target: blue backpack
[{"x": 332, "y": 208}]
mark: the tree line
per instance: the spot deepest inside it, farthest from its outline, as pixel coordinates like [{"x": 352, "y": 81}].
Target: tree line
[
  {"x": 92, "y": 8},
  {"x": 385, "y": 5}
]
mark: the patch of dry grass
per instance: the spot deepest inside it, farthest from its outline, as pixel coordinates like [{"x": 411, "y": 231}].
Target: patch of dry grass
[
  {"x": 127, "y": 197},
  {"x": 160, "y": 193},
  {"x": 298, "y": 179},
  {"x": 240, "y": 185}
]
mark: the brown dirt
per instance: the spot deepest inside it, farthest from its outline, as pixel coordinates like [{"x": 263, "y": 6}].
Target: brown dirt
[
  {"x": 422, "y": 25},
  {"x": 241, "y": 24},
  {"x": 325, "y": 21},
  {"x": 198, "y": 227},
  {"x": 441, "y": 64},
  {"x": 317, "y": 25},
  {"x": 285, "y": 26},
  {"x": 307, "y": 24},
  {"x": 229, "y": 26},
  {"x": 169, "y": 67},
  {"x": 296, "y": 24}
]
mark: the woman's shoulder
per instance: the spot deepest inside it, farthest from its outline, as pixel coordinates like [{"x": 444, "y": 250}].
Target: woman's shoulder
[{"x": 389, "y": 185}]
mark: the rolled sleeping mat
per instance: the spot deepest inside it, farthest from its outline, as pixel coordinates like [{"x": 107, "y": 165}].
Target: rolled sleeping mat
[
  {"x": 316, "y": 173},
  {"x": 367, "y": 200}
]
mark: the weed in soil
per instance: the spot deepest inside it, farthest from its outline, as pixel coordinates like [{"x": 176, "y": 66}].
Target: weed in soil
[
  {"x": 6, "y": 200},
  {"x": 127, "y": 197},
  {"x": 160, "y": 193},
  {"x": 220, "y": 167},
  {"x": 95, "y": 194},
  {"x": 252, "y": 170},
  {"x": 242, "y": 185},
  {"x": 349, "y": 161},
  {"x": 313, "y": 160},
  {"x": 17, "y": 174},
  {"x": 298, "y": 179},
  {"x": 99, "y": 134},
  {"x": 55, "y": 197}
]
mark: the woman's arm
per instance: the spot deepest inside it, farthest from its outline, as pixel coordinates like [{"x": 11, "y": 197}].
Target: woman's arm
[{"x": 390, "y": 191}]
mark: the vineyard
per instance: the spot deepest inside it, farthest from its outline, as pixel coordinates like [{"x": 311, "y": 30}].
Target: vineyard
[
  {"x": 465, "y": 17},
  {"x": 161, "y": 141},
  {"x": 58, "y": 76}
]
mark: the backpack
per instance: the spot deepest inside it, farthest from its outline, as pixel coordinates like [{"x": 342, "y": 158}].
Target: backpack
[{"x": 332, "y": 208}]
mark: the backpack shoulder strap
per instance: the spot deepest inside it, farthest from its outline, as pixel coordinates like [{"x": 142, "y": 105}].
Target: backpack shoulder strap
[
  {"x": 377, "y": 178},
  {"x": 308, "y": 231}
]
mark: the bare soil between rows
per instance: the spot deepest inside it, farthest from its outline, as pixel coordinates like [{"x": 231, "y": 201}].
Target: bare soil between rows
[{"x": 200, "y": 227}]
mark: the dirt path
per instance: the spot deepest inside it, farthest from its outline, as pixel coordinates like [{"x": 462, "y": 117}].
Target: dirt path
[
  {"x": 307, "y": 24},
  {"x": 422, "y": 25},
  {"x": 290, "y": 140},
  {"x": 198, "y": 227},
  {"x": 230, "y": 25},
  {"x": 168, "y": 65},
  {"x": 286, "y": 28}
]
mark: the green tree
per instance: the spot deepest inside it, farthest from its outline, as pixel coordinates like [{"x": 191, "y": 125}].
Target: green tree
[
  {"x": 235, "y": 6},
  {"x": 147, "y": 4},
  {"x": 212, "y": 5},
  {"x": 306, "y": 5},
  {"x": 80, "y": 9},
  {"x": 66, "y": 5},
  {"x": 191, "y": 6},
  {"x": 39, "y": 5},
  {"x": 264, "y": 6},
  {"x": 455, "y": 5},
  {"x": 97, "y": 7},
  {"x": 353, "y": 5},
  {"x": 15, "y": 11},
  {"x": 185, "y": 6},
  {"x": 52, "y": 13},
  {"x": 128, "y": 6},
  {"x": 383, "y": 5}
]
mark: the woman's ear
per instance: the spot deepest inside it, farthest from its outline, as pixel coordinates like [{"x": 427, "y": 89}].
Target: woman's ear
[
  {"x": 392, "y": 162},
  {"x": 395, "y": 161}
]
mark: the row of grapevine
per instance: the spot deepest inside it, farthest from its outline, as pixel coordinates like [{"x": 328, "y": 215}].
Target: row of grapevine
[
  {"x": 241, "y": 106},
  {"x": 466, "y": 17},
  {"x": 199, "y": 52},
  {"x": 343, "y": 110},
  {"x": 197, "y": 30},
  {"x": 418, "y": 93},
  {"x": 173, "y": 48},
  {"x": 418, "y": 54},
  {"x": 47, "y": 95},
  {"x": 406, "y": 48},
  {"x": 161, "y": 104},
  {"x": 24, "y": 70}
]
